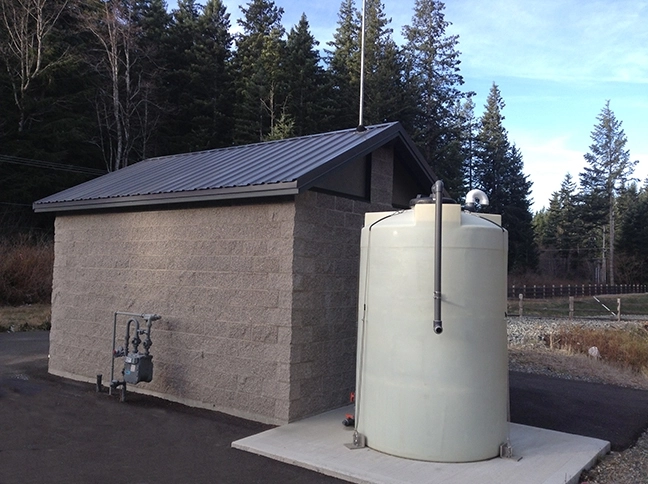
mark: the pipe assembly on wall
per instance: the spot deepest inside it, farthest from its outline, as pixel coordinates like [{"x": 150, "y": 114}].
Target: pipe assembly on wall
[{"x": 138, "y": 367}]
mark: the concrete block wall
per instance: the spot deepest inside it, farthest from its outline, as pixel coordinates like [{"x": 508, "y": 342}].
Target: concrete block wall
[
  {"x": 221, "y": 277},
  {"x": 259, "y": 300},
  {"x": 325, "y": 298}
]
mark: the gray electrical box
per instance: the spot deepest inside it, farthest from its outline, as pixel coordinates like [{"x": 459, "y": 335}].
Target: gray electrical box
[{"x": 138, "y": 367}]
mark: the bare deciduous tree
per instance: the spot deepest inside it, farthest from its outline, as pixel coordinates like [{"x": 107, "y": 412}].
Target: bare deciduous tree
[
  {"x": 27, "y": 25},
  {"x": 123, "y": 103}
]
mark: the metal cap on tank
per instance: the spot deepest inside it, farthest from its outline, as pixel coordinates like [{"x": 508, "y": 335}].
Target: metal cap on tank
[{"x": 474, "y": 197}]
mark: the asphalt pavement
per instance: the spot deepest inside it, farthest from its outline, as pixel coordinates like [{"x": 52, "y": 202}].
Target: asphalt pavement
[{"x": 54, "y": 430}]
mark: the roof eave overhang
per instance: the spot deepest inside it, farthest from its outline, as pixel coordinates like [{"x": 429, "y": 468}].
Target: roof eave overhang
[{"x": 274, "y": 190}]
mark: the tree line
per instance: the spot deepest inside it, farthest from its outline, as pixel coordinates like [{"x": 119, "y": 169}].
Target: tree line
[
  {"x": 106, "y": 83},
  {"x": 595, "y": 228}
]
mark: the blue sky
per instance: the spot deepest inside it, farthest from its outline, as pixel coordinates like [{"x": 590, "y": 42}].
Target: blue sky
[{"x": 556, "y": 63}]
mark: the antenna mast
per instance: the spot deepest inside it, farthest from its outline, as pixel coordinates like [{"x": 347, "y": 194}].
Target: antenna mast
[{"x": 362, "y": 69}]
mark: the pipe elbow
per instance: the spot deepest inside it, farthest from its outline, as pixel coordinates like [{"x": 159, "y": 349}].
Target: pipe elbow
[{"x": 476, "y": 196}]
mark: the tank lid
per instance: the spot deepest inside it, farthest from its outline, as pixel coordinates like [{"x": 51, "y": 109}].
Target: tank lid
[{"x": 429, "y": 199}]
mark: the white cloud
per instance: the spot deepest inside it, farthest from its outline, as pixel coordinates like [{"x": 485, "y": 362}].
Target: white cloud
[
  {"x": 546, "y": 162},
  {"x": 553, "y": 39}
]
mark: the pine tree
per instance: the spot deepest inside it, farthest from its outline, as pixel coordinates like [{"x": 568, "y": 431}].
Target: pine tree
[
  {"x": 491, "y": 148},
  {"x": 467, "y": 134},
  {"x": 632, "y": 264},
  {"x": 180, "y": 78},
  {"x": 152, "y": 21},
  {"x": 498, "y": 171},
  {"x": 562, "y": 230},
  {"x": 384, "y": 90},
  {"x": 432, "y": 61},
  {"x": 259, "y": 65},
  {"x": 214, "y": 55},
  {"x": 306, "y": 82},
  {"x": 609, "y": 170},
  {"x": 344, "y": 66},
  {"x": 199, "y": 83}
]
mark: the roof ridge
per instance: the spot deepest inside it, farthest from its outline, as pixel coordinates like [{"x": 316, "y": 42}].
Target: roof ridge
[
  {"x": 272, "y": 168},
  {"x": 285, "y": 140}
]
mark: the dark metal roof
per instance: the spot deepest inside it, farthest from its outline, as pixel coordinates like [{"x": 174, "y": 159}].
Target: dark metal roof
[{"x": 284, "y": 167}]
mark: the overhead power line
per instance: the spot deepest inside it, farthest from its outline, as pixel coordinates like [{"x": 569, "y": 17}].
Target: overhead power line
[
  {"x": 11, "y": 204},
  {"x": 50, "y": 165}
]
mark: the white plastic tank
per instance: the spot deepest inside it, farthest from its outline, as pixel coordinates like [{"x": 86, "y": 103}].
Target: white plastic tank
[{"x": 421, "y": 395}]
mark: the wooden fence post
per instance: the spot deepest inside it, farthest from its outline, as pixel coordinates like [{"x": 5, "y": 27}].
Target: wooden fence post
[
  {"x": 571, "y": 307},
  {"x": 619, "y": 309}
]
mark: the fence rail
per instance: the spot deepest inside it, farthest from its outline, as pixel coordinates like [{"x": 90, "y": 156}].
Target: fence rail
[{"x": 545, "y": 291}]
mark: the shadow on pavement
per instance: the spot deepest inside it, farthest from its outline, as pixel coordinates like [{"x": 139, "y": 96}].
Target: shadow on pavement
[{"x": 55, "y": 430}]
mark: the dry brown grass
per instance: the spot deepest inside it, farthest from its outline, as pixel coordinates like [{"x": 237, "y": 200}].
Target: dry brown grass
[
  {"x": 576, "y": 366},
  {"x": 25, "y": 318},
  {"x": 626, "y": 347},
  {"x": 25, "y": 271}
]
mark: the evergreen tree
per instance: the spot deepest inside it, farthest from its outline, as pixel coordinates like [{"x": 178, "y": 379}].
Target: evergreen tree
[
  {"x": 384, "y": 88},
  {"x": 468, "y": 125},
  {"x": 344, "y": 66},
  {"x": 283, "y": 128},
  {"x": 152, "y": 21},
  {"x": 498, "y": 171},
  {"x": 608, "y": 171},
  {"x": 632, "y": 266},
  {"x": 306, "y": 82},
  {"x": 214, "y": 57},
  {"x": 199, "y": 82},
  {"x": 561, "y": 232},
  {"x": 491, "y": 148},
  {"x": 259, "y": 65},
  {"x": 432, "y": 61},
  {"x": 181, "y": 79}
]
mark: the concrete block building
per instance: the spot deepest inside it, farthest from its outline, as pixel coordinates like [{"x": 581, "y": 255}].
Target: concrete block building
[{"x": 250, "y": 254}]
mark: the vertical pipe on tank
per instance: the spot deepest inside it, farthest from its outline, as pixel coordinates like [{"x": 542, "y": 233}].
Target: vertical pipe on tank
[{"x": 438, "y": 191}]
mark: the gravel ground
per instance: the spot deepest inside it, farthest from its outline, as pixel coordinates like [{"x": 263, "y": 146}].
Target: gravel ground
[{"x": 529, "y": 353}]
